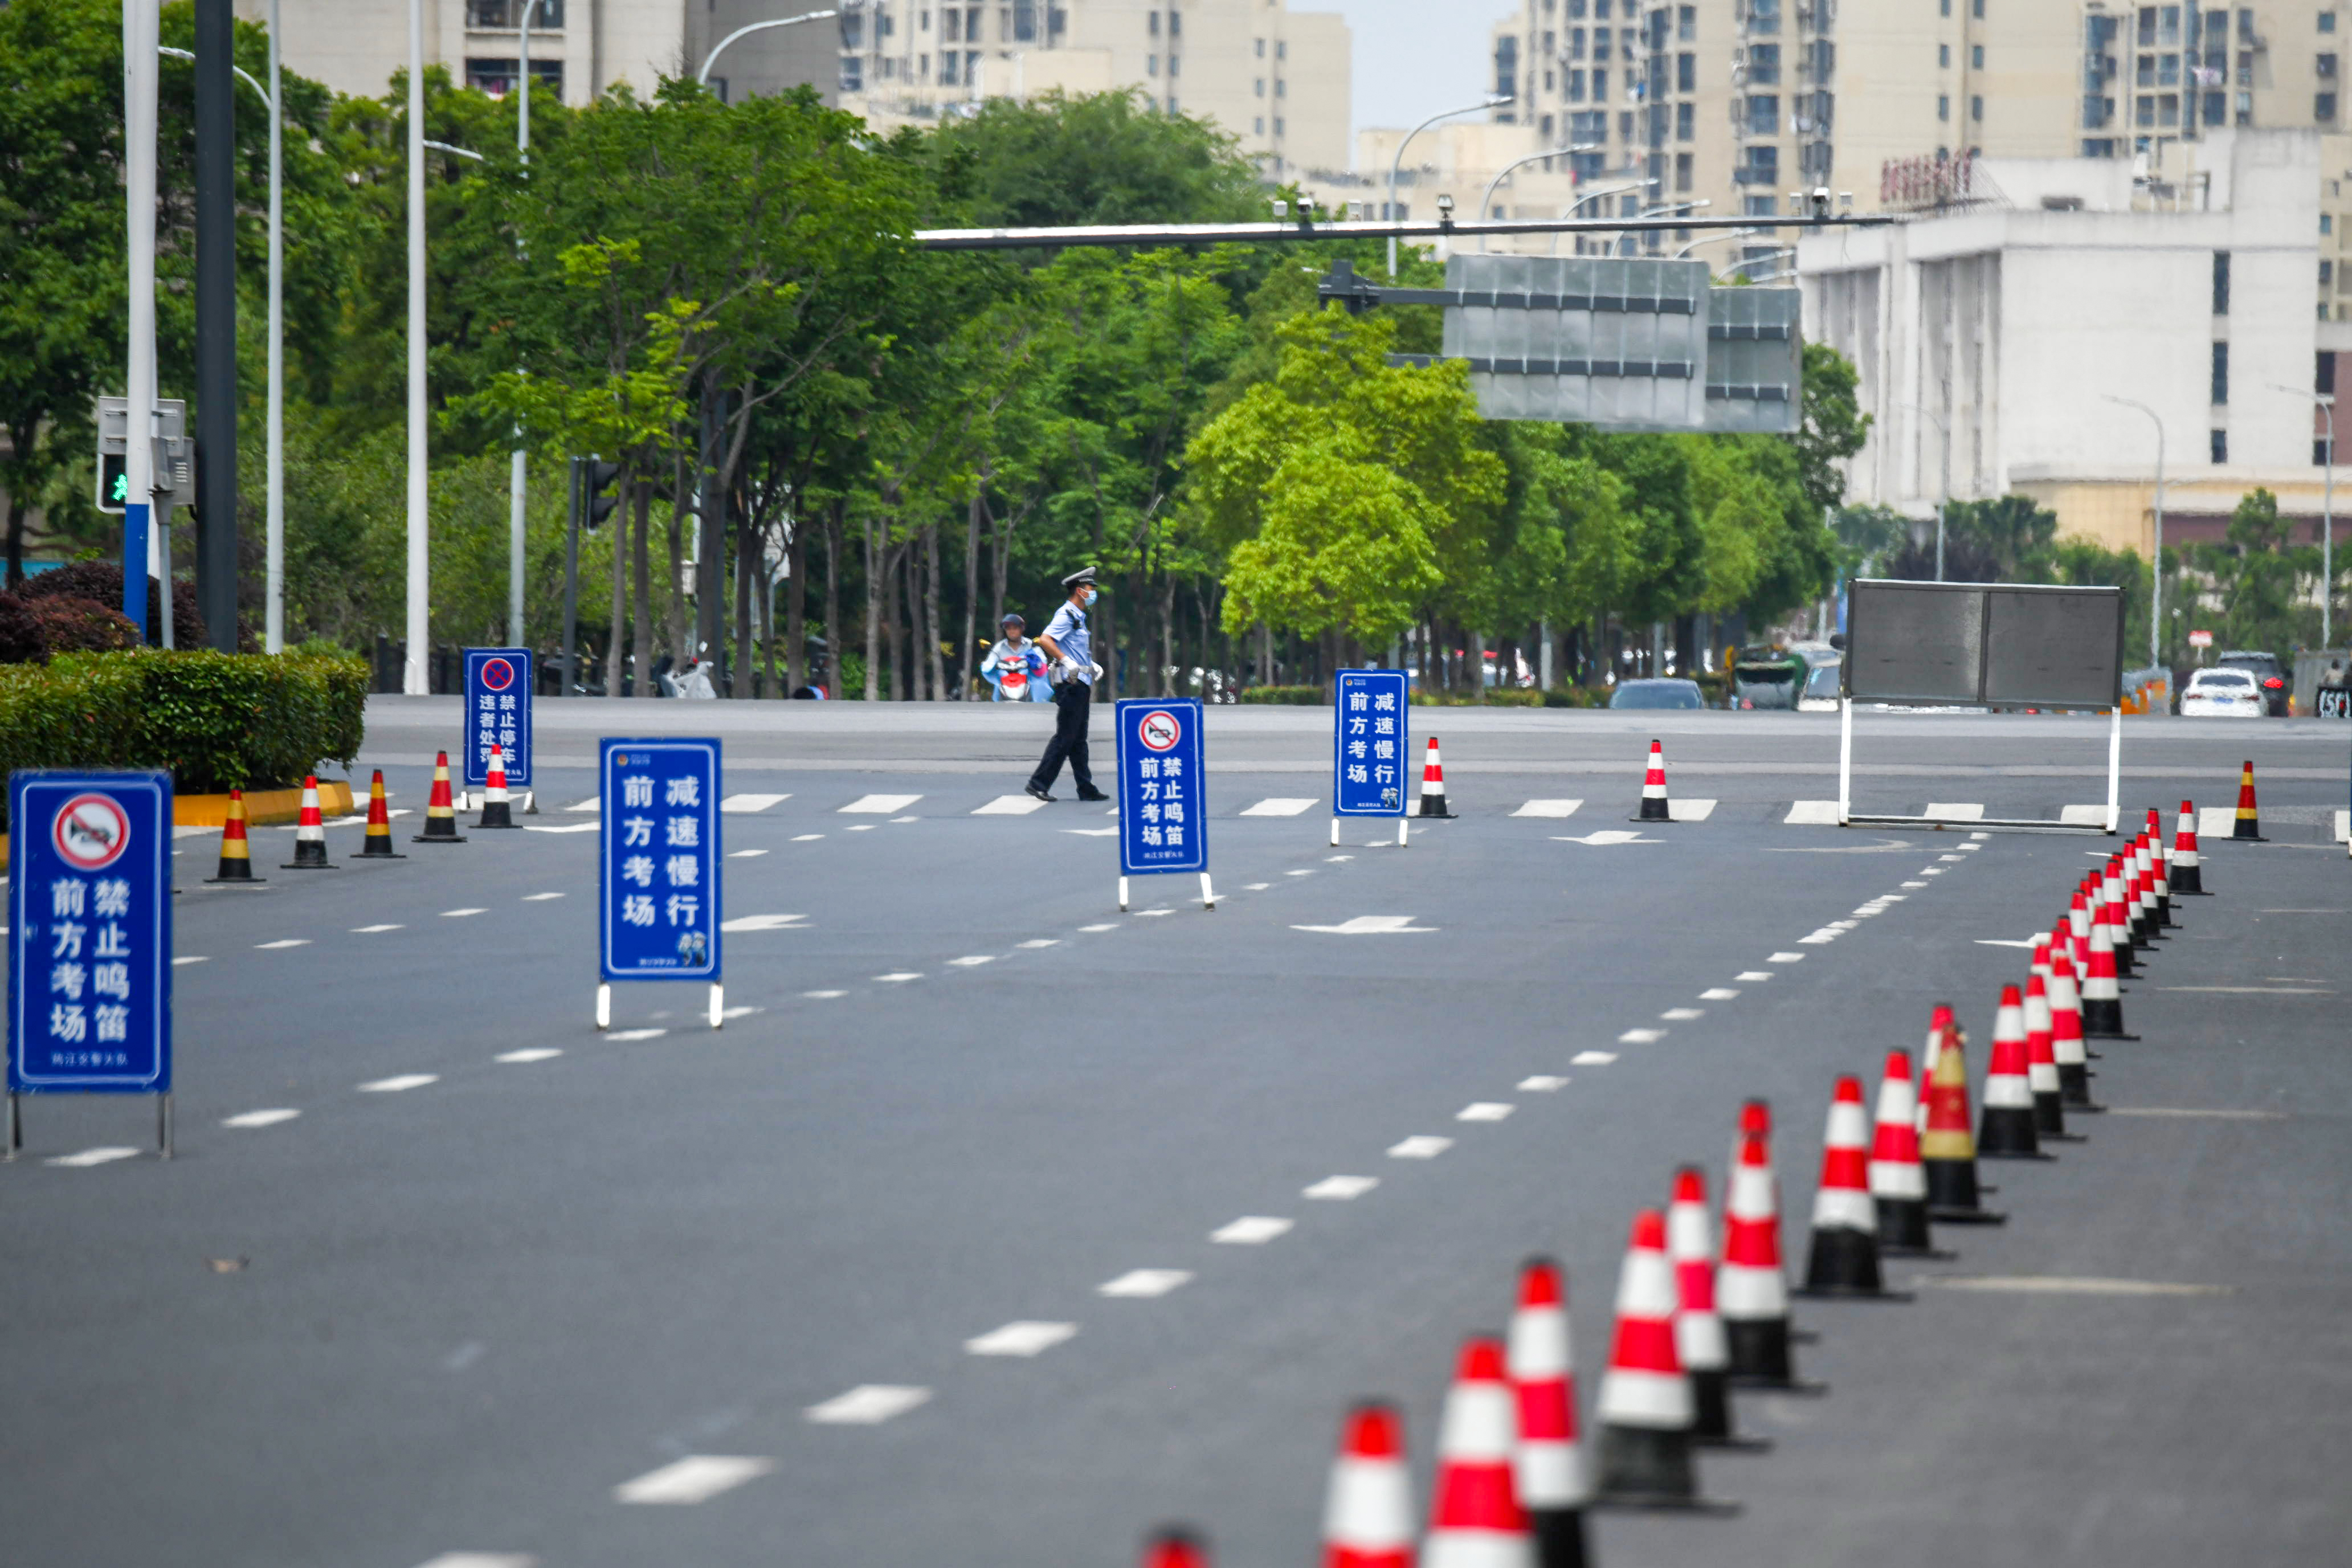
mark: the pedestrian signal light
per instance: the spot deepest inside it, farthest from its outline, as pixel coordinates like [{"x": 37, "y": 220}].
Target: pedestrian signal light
[{"x": 113, "y": 480}]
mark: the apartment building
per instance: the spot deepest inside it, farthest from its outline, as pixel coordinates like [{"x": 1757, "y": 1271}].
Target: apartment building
[
  {"x": 1278, "y": 81},
  {"x": 579, "y": 47}
]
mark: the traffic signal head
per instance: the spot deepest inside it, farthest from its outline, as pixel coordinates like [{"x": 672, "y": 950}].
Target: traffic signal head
[
  {"x": 113, "y": 480},
  {"x": 601, "y": 475}
]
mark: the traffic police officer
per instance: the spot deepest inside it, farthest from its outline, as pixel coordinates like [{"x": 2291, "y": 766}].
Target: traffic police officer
[{"x": 1073, "y": 671}]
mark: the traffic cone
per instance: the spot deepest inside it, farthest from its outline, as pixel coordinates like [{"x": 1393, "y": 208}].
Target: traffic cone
[
  {"x": 311, "y": 834},
  {"x": 2160, "y": 861},
  {"x": 1433, "y": 782},
  {"x": 2151, "y": 924},
  {"x": 2042, "y": 1062},
  {"x": 2006, "y": 1130},
  {"x": 2066, "y": 1038},
  {"x": 1173, "y": 1546},
  {"x": 1899, "y": 1185},
  {"x": 1698, "y": 1328},
  {"x": 377, "y": 844},
  {"x": 2103, "y": 999},
  {"x": 2188, "y": 875},
  {"x": 1939, "y": 1023},
  {"x": 1751, "y": 1291},
  {"x": 1948, "y": 1150},
  {"x": 440, "y": 814},
  {"x": 2109, "y": 904},
  {"x": 1475, "y": 1517},
  {"x": 1653, "y": 788},
  {"x": 1368, "y": 1511},
  {"x": 2250, "y": 819},
  {"x": 1548, "y": 1462},
  {"x": 495, "y": 810},
  {"x": 2078, "y": 926},
  {"x": 1844, "y": 1257},
  {"x": 1645, "y": 1410},
  {"x": 235, "y": 850}
]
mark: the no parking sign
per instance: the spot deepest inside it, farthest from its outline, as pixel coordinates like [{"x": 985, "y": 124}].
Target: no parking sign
[{"x": 498, "y": 711}]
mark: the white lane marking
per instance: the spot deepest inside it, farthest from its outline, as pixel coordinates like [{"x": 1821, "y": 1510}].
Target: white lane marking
[
  {"x": 1093, "y": 832},
  {"x": 1841, "y": 925},
  {"x": 593, "y": 802},
  {"x": 2083, "y": 816},
  {"x": 539, "y": 897},
  {"x": 745, "y": 854},
  {"x": 763, "y": 922},
  {"x": 1812, "y": 814},
  {"x": 636, "y": 1034},
  {"x": 1550, "y": 809},
  {"x": 2004, "y": 942},
  {"x": 1980, "y": 836},
  {"x": 2255, "y": 990},
  {"x": 900, "y": 978},
  {"x": 896, "y": 820},
  {"x": 1951, "y": 856},
  {"x": 1689, "y": 810},
  {"x": 400, "y": 1082},
  {"x": 1043, "y": 942},
  {"x": 698, "y": 1477},
  {"x": 1642, "y": 1037},
  {"x": 1753, "y": 975},
  {"x": 1606, "y": 838},
  {"x": 1420, "y": 1146},
  {"x": 741, "y": 1012},
  {"x": 1341, "y": 1189},
  {"x": 483, "y": 1560},
  {"x": 2186, "y": 1110},
  {"x": 2216, "y": 821},
  {"x": 371, "y": 930},
  {"x": 1888, "y": 898},
  {"x": 1484, "y": 1111},
  {"x": 1252, "y": 1230},
  {"x": 824, "y": 996},
  {"x": 191, "y": 958},
  {"x": 1255, "y": 887},
  {"x": 270, "y": 1118},
  {"x": 1683, "y": 1014},
  {"x": 564, "y": 828},
  {"x": 864, "y": 826},
  {"x": 461, "y": 914},
  {"x": 1307, "y": 871},
  {"x": 1786, "y": 958},
  {"x": 1099, "y": 928},
  {"x": 1278, "y": 806},
  {"x": 283, "y": 942},
  {"x": 1371, "y": 925},
  {"x": 1143, "y": 1282},
  {"x": 1338, "y": 859},
  {"x": 1915, "y": 884},
  {"x": 745, "y": 803},
  {"x": 89, "y": 1157},
  {"x": 1593, "y": 1059},
  {"x": 1009, "y": 805},
  {"x": 1718, "y": 993},
  {"x": 1929, "y": 872},
  {"x": 1021, "y": 1337},
  {"x": 805, "y": 838},
  {"x": 867, "y": 1405},
  {"x": 1148, "y": 914},
  {"x": 1955, "y": 810},
  {"x": 2071, "y": 1285},
  {"x": 974, "y": 961},
  {"x": 880, "y": 805},
  {"x": 528, "y": 1054},
  {"x": 1825, "y": 934}
]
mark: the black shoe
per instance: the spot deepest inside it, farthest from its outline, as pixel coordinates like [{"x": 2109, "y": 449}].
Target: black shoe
[
  {"x": 1092, "y": 794},
  {"x": 1035, "y": 793}
]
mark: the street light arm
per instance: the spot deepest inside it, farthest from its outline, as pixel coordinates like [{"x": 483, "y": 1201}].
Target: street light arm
[
  {"x": 267, "y": 101},
  {"x": 702, "y": 77},
  {"x": 2156, "y": 562},
  {"x": 1492, "y": 100},
  {"x": 460, "y": 152}
]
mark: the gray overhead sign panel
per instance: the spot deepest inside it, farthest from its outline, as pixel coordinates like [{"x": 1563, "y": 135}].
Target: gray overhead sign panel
[
  {"x": 1619, "y": 343},
  {"x": 2010, "y": 645},
  {"x": 1755, "y": 359}
]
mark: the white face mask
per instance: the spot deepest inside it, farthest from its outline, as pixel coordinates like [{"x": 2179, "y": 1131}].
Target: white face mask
[{"x": 1087, "y": 597}]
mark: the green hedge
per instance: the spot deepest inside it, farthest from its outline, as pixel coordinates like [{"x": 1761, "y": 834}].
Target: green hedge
[
  {"x": 217, "y": 720},
  {"x": 1291, "y": 695}
]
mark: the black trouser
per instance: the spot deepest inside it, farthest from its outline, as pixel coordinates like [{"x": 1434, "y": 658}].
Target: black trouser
[{"x": 1070, "y": 703}]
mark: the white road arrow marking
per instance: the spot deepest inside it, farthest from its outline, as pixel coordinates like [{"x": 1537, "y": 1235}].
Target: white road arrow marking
[
  {"x": 1372, "y": 925},
  {"x": 1606, "y": 836}
]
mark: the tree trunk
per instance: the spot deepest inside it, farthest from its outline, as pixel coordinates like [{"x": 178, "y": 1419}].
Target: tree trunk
[
  {"x": 620, "y": 590},
  {"x": 873, "y": 614},
  {"x": 795, "y": 610},
  {"x": 641, "y": 643},
  {"x": 938, "y": 675},
  {"x": 678, "y": 631},
  {"x": 903, "y": 663},
  {"x": 833, "y": 646},
  {"x": 1001, "y": 552},
  {"x": 970, "y": 590},
  {"x": 751, "y": 562},
  {"x": 1171, "y": 673}
]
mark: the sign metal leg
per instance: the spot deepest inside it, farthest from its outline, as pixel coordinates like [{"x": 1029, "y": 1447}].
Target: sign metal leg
[
  {"x": 1400, "y": 831},
  {"x": 1335, "y": 833},
  {"x": 16, "y": 1138},
  {"x": 164, "y": 1127},
  {"x": 604, "y": 1006},
  {"x": 2115, "y": 765},
  {"x": 717, "y": 1005},
  {"x": 1209, "y": 895},
  {"x": 1845, "y": 762},
  {"x": 1122, "y": 894}
]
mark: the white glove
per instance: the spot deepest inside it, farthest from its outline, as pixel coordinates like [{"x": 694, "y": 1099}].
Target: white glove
[{"x": 1098, "y": 671}]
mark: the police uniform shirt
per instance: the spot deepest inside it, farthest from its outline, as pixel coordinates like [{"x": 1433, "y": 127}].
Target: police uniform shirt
[{"x": 1069, "y": 630}]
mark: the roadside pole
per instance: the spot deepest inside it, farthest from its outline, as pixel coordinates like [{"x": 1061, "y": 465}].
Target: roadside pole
[{"x": 141, "y": 32}]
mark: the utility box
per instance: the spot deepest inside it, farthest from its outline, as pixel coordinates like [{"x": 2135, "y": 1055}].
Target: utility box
[{"x": 176, "y": 479}]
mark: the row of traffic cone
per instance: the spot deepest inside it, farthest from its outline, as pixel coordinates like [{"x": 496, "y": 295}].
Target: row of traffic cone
[
  {"x": 311, "y": 833},
  {"x": 1654, "y": 805}
]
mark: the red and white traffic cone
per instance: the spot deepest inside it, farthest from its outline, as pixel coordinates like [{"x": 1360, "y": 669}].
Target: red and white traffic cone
[
  {"x": 1173, "y": 1546},
  {"x": 1653, "y": 788},
  {"x": 1645, "y": 1410},
  {"x": 2187, "y": 875},
  {"x": 495, "y": 811},
  {"x": 1751, "y": 1292},
  {"x": 310, "y": 836},
  {"x": 2103, "y": 999},
  {"x": 2078, "y": 927},
  {"x": 2249, "y": 827},
  {"x": 1939, "y": 1023},
  {"x": 2109, "y": 903},
  {"x": 1949, "y": 1148},
  {"x": 2144, "y": 865},
  {"x": 440, "y": 811},
  {"x": 2042, "y": 1062},
  {"x": 2006, "y": 1131},
  {"x": 1368, "y": 1511},
  {"x": 1474, "y": 1518},
  {"x": 1842, "y": 1259},
  {"x": 1433, "y": 782},
  {"x": 1898, "y": 1184},
  {"x": 2160, "y": 860},
  {"x": 2066, "y": 1038},
  {"x": 1547, "y": 1464},
  {"x": 1698, "y": 1328}
]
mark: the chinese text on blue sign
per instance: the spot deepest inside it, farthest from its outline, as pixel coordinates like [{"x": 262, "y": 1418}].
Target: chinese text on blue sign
[
  {"x": 1162, "y": 802},
  {"x": 89, "y": 992},
  {"x": 1368, "y": 743},
  {"x": 497, "y": 709},
  {"x": 658, "y": 888}
]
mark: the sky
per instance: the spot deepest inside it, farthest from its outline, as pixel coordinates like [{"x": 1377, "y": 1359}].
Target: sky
[{"x": 1416, "y": 58}]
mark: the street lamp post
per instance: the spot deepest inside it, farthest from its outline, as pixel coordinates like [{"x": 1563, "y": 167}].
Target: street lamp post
[
  {"x": 2326, "y": 403},
  {"x": 1946, "y": 499},
  {"x": 702, "y": 77},
  {"x": 2156, "y": 554},
  {"x": 518, "y": 472},
  {"x": 1492, "y": 100},
  {"x": 140, "y": 74},
  {"x": 413, "y": 679},
  {"x": 1486, "y": 201}
]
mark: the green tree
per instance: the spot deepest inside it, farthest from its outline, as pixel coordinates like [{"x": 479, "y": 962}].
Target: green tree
[{"x": 1099, "y": 158}]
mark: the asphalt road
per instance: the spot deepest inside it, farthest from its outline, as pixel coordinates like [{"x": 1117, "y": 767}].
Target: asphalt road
[{"x": 462, "y": 1315}]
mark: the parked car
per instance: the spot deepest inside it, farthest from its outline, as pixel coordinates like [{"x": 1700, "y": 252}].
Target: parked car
[
  {"x": 1767, "y": 677},
  {"x": 1819, "y": 694},
  {"x": 2268, "y": 673},
  {"x": 1657, "y": 694},
  {"x": 2223, "y": 694}
]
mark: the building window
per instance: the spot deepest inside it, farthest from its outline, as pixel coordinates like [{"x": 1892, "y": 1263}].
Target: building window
[
  {"x": 1686, "y": 24},
  {"x": 853, "y": 73},
  {"x": 1543, "y": 129},
  {"x": 2221, "y": 286},
  {"x": 1976, "y": 9},
  {"x": 1764, "y": 16},
  {"x": 2323, "y": 106},
  {"x": 1152, "y": 65},
  {"x": 1024, "y": 22},
  {"x": 2328, "y": 21},
  {"x": 1257, "y": 127},
  {"x": 1683, "y": 166},
  {"x": 924, "y": 66},
  {"x": 1685, "y": 122},
  {"x": 1576, "y": 87},
  {"x": 1685, "y": 73},
  {"x": 1975, "y": 57},
  {"x": 1176, "y": 67},
  {"x": 1507, "y": 66},
  {"x": 1277, "y": 125},
  {"x": 949, "y": 59},
  {"x": 2325, "y": 380},
  {"x": 2326, "y": 274},
  {"x": 2168, "y": 111},
  {"x": 2245, "y": 109},
  {"x": 1588, "y": 126},
  {"x": 1600, "y": 86},
  {"x": 2220, "y": 447},
  {"x": 1763, "y": 114},
  {"x": 1175, "y": 24},
  {"x": 2220, "y": 388},
  {"x": 1764, "y": 65},
  {"x": 1943, "y": 8},
  {"x": 1281, "y": 48},
  {"x": 2325, "y": 65},
  {"x": 1976, "y": 106},
  {"x": 1600, "y": 43},
  {"x": 1281, "y": 85},
  {"x": 2215, "y": 108},
  {"x": 1625, "y": 126},
  {"x": 1942, "y": 106},
  {"x": 2327, "y": 223}
]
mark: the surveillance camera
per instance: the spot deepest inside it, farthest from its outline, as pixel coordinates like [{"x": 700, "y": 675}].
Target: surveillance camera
[
  {"x": 1444, "y": 203},
  {"x": 1820, "y": 201},
  {"x": 1281, "y": 209}
]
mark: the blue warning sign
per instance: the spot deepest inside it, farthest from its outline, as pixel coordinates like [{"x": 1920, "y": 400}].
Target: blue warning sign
[
  {"x": 1368, "y": 720},
  {"x": 1163, "y": 803}
]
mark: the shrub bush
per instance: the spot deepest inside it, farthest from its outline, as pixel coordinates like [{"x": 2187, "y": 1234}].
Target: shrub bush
[
  {"x": 1291, "y": 695},
  {"x": 215, "y": 720},
  {"x": 80, "y": 625},
  {"x": 102, "y": 580},
  {"x": 20, "y": 633}
]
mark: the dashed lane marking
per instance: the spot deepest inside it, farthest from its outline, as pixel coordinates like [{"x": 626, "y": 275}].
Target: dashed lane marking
[
  {"x": 1753, "y": 975},
  {"x": 1812, "y": 814},
  {"x": 1484, "y": 1111},
  {"x": 741, "y": 1012},
  {"x": 1252, "y": 1230},
  {"x": 374, "y": 929},
  {"x": 879, "y": 805},
  {"x": 1956, "y": 810},
  {"x": 1593, "y": 1059},
  {"x": 270, "y": 1118},
  {"x": 539, "y": 897},
  {"x": 1093, "y": 832},
  {"x": 824, "y": 996},
  {"x": 1718, "y": 993},
  {"x": 864, "y": 826},
  {"x": 696, "y": 1479},
  {"x": 1338, "y": 859},
  {"x": 764, "y": 922},
  {"x": 2255, "y": 990},
  {"x": 283, "y": 942},
  {"x": 1145, "y": 1283},
  {"x": 1550, "y": 809},
  {"x": 1278, "y": 806},
  {"x": 1786, "y": 958},
  {"x": 805, "y": 838},
  {"x": 867, "y": 1405},
  {"x": 1683, "y": 1014},
  {"x": 1928, "y": 872},
  {"x": 2003, "y": 941},
  {"x": 1043, "y": 942},
  {"x": 1341, "y": 1189},
  {"x": 900, "y": 978},
  {"x": 89, "y": 1157},
  {"x": 902, "y": 819},
  {"x": 562, "y": 827},
  {"x": 1022, "y": 1338},
  {"x": 1915, "y": 884},
  {"x": 1010, "y": 806},
  {"x": 2071, "y": 1285},
  {"x": 461, "y": 914},
  {"x": 1099, "y": 928},
  {"x": 191, "y": 958},
  {"x": 483, "y": 1560},
  {"x": 743, "y": 804},
  {"x": 1420, "y": 1146},
  {"x": 974, "y": 960},
  {"x": 593, "y": 802},
  {"x": 2184, "y": 1110},
  {"x": 1641, "y": 1036},
  {"x": 636, "y": 1034},
  {"x": 1542, "y": 1083},
  {"x": 1255, "y": 887},
  {"x": 1819, "y": 937},
  {"x": 1148, "y": 914},
  {"x": 1689, "y": 810},
  {"x": 400, "y": 1083},
  {"x": 745, "y": 854},
  {"x": 1372, "y": 925},
  {"x": 528, "y": 1054},
  {"x": 1606, "y": 838}
]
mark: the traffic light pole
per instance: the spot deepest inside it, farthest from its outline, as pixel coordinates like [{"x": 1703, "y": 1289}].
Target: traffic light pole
[
  {"x": 140, "y": 29},
  {"x": 215, "y": 325},
  {"x": 571, "y": 584}
]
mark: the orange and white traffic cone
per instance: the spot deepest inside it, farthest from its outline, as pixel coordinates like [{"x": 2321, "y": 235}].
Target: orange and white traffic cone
[
  {"x": 1368, "y": 1511},
  {"x": 310, "y": 834},
  {"x": 2006, "y": 1131},
  {"x": 1548, "y": 1463},
  {"x": 495, "y": 811},
  {"x": 1475, "y": 1517},
  {"x": 1898, "y": 1184},
  {"x": 1433, "y": 782},
  {"x": 1654, "y": 789},
  {"x": 1751, "y": 1292},
  {"x": 1940, "y": 1024},
  {"x": 2249, "y": 827},
  {"x": 236, "y": 849},
  {"x": 1844, "y": 1257},
  {"x": 2103, "y": 999},
  {"x": 440, "y": 812},
  {"x": 377, "y": 844},
  {"x": 2109, "y": 902},
  {"x": 1698, "y": 1327},
  {"x": 2161, "y": 862},
  {"x": 2078, "y": 927},
  {"x": 2188, "y": 875},
  {"x": 2066, "y": 1038},
  {"x": 1949, "y": 1148},
  {"x": 1173, "y": 1546},
  {"x": 1645, "y": 1410},
  {"x": 2143, "y": 867},
  {"x": 2041, "y": 1063}
]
